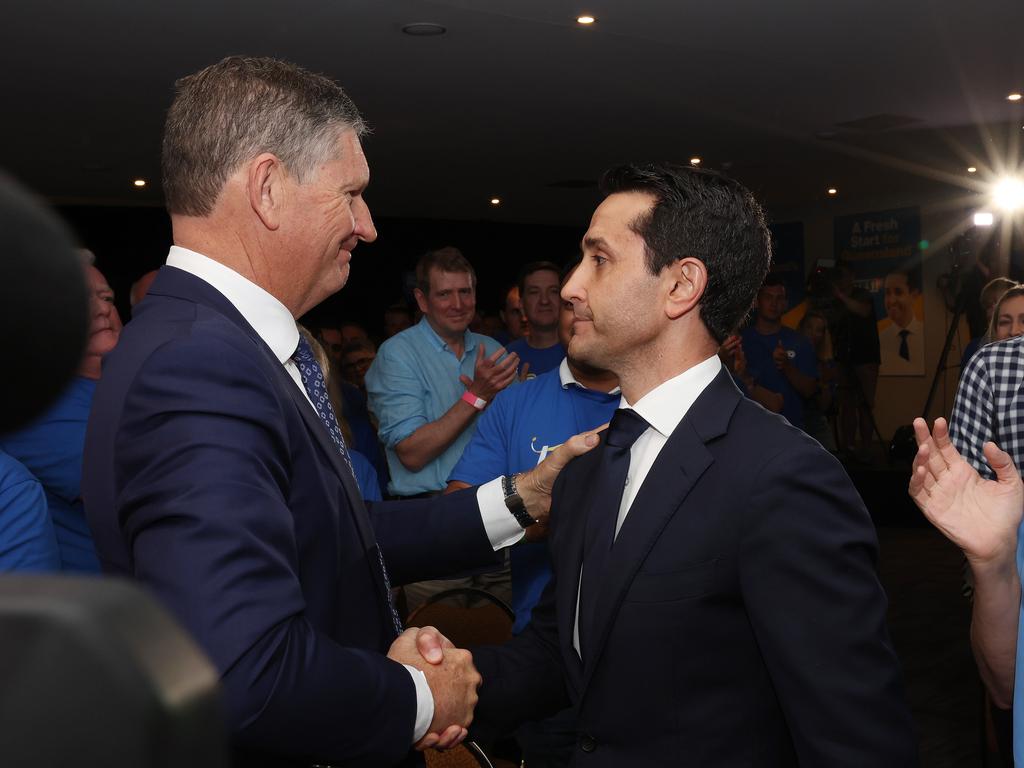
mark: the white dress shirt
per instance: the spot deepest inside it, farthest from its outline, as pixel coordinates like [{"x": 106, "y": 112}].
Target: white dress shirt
[
  {"x": 274, "y": 324},
  {"x": 663, "y": 408}
]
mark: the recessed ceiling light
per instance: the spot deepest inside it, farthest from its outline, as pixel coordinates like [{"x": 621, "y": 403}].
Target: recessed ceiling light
[
  {"x": 1013, "y": 97},
  {"x": 584, "y": 20},
  {"x": 694, "y": 161},
  {"x": 139, "y": 182},
  {"x": 983, "y": 219},
  {"x": 424, "y": 29},
  {"x": 833, "y": 191},
  {"x": 972, "y": 169},
  {"x": 495, "y": 201}
]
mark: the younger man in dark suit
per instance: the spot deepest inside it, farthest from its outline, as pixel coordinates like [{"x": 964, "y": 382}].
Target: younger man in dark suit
[{"x": 715, "y": 601}]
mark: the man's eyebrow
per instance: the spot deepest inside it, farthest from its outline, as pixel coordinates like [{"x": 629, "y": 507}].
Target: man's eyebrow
[{"x": 594, "y": 243}]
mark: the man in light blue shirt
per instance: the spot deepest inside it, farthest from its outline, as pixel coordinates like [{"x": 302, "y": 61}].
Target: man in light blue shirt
[
  {"x": 427, "y": 386},
  {"x": 430, "y": 382}
]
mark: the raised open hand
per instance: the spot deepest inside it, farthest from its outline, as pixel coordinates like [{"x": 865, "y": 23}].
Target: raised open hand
[{"x": 979, "y": 516}]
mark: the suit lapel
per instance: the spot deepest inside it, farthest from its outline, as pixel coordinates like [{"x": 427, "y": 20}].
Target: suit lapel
[
  {"x": 680, "y": 464},
  {"x": 678, "y": 467},
  {"x": 182, "y": 285},
  {"x": 320, "y": 434}
]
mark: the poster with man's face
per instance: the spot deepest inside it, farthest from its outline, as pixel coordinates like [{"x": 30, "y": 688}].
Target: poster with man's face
[{"x": 882, "y": 250}]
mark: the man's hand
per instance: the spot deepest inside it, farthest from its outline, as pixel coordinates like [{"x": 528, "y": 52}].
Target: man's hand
[
  {"x": 535, "y": 486},
  {"x": 780, "y": 356},
  {"x": 732, "y": 356},
  {"x": 452, "y": 678},
  {"x": 490, "y": 376},
  {"x": 979, "y": 516},
  {"x": 431, "y": 645}
]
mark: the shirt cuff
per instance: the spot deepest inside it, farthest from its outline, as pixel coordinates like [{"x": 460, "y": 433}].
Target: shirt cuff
[
  {"x": 424, "y": 704},
  {"x": 502, "y": 528}
]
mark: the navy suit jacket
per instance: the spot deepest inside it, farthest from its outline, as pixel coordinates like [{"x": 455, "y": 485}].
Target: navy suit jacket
[
  {"x": 209, "y": 476},
  {"x": 741, "y": 624}
]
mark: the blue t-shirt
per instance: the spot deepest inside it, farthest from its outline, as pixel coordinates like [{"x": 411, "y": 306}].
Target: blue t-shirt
[
  {"x": 51, "y": 449},
  {"x": 514, "y": 434},
  {"x": 540, "y": 360},
  {"x": 759, "y": 350},
  {"x": 27, "y": 539}
]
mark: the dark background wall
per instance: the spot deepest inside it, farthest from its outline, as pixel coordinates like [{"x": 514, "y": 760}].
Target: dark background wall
[{"x": 131, "y": 241}]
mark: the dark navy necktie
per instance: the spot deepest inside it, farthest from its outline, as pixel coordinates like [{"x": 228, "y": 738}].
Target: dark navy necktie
[
  {"x": 599, "y": 537},
  {"x": 904, "y": 347},
  {"x": 316, "y": 388}
]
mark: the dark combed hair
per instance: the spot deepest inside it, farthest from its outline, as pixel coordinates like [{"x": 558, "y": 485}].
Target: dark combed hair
[
  {"x": 535, "y": 266},
  {"x": 701, "y": 214}
]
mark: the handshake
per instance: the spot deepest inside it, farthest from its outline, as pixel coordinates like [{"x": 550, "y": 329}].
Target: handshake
[{"x": 452, "y": 678}]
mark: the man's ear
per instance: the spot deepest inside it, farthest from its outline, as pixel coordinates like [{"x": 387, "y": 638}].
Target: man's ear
[
  {"x": 688, "y": 281},
  {"x": 265, "y": 186},
  {"x": 421, "y": 299}
]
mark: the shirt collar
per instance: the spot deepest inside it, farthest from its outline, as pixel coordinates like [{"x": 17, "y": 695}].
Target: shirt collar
[
  {"x": 468, "y": 339},
  {"x": 666, "y": 405},
  {"x": 267, "y": 316},
  {"x": 568, "y": 380}
]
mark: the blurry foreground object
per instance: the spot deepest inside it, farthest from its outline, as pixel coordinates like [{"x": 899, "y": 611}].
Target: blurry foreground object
[
  {"x": 94, "y": 673},
  {"x": 45, "y": 306}
]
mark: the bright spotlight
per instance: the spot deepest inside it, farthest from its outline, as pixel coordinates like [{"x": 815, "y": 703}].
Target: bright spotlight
[
  {"x": 1008, "y": 194},
  {"x": 983, "y": 219}
]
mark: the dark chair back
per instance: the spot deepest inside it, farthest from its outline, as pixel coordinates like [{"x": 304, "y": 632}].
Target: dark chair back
[{"x": 467, "y": 616}]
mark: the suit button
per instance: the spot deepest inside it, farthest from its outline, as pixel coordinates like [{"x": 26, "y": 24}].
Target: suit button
[{"x": 587, "y": 742}]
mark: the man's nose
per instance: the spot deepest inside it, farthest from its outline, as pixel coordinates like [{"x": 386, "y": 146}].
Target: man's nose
[
  {"x": 572, "y": 290},
  {"x": 364, "y": 229}
]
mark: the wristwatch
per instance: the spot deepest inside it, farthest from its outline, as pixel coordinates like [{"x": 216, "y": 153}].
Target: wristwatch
[{"x": 514, "y": 502}]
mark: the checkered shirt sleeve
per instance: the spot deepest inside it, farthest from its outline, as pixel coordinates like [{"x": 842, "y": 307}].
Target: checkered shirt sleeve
[{"x": 989, "y": 404}]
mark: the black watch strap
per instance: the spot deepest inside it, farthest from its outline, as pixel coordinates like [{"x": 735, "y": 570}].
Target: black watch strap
[{"x": 514, "y": 502}]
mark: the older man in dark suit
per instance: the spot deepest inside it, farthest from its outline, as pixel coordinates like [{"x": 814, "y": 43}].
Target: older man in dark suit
[
  {"x": 715, "y": 601},
  {"x": 215, "y": 469}
]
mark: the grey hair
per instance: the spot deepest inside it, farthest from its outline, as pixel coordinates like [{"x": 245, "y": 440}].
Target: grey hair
[{"x": 242, "y": 106}]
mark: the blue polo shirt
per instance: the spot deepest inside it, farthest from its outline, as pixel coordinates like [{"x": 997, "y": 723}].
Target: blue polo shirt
[
  {"x": 540, "y": 360},
  {"x": 515, "y": 433},
  {"x": 413, "y": 381},
  {"x": 759, "y": 349},
  {"x": 27, "y": 539},
  {"x": 51, "y": 449}
]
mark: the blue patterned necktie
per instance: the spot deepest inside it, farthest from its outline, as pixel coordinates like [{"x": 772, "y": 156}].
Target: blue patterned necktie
[{"x": 316, "y": 388}]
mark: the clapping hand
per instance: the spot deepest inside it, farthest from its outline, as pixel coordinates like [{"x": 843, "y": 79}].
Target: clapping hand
[{"x": 489, "y": 375}]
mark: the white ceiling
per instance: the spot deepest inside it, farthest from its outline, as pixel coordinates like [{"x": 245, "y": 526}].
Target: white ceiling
[{"x": 517, "y": 96}]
